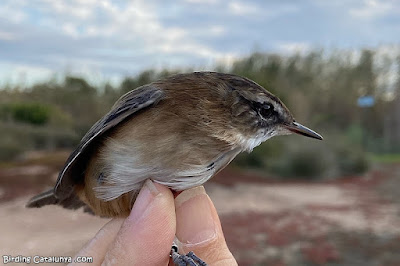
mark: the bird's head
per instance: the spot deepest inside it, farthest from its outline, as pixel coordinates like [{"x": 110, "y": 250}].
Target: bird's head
[{"x": 260, "y": 115}]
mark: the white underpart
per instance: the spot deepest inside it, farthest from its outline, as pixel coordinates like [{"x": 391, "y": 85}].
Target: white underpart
[
  {"x": 197, "y": 175},
  {"x": 125, "y": 175},
  {"x": 189, "y": 178},
  {"x": 249, "y": 143},
  {"x": 127, "y": 172}
]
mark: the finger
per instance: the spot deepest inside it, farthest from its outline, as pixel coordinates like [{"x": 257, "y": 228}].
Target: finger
[
  {"x": 97, "y": 247},
  {"x": 146, "y": 236},
  {"x": 198, "y": 228}
]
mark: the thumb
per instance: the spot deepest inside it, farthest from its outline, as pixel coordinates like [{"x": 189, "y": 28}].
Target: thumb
[
  {"x": 146, "y": 235},
  {"x": 198, "y": 228}
]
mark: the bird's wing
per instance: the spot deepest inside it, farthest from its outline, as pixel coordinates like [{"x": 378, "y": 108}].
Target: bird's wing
[{"x": 126, "y": 106}]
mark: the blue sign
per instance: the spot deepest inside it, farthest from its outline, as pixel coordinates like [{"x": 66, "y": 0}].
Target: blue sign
[{"x": 366, "y": 101}]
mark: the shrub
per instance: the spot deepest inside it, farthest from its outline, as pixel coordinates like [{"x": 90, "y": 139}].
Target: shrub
[
  {"x": 296, "y": 157},
  {"x": 351, "y": 159},
  {"x": 10, "y": 148},
  {"x": 17, "y": 138},
  {"x": 31, "y": 113},
  {"x": 302, "y": 158}
]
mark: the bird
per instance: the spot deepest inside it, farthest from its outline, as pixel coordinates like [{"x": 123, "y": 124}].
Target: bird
[{"x": 179, "y": 131}]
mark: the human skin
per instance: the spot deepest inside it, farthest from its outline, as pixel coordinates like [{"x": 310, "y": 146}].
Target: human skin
[{"x": 146, "y": 235}]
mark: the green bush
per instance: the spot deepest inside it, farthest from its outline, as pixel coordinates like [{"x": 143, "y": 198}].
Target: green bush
[
  {"x": 351, "y": 159},
  {"x": 17, "y": 138},
  {"x": 298, "y": 157},
  {"x": 303, "y": 163},
  {"x": 302, "y": 158},
  {"x": 31, "y": 113}
]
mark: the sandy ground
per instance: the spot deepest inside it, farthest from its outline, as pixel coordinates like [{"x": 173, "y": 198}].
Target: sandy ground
[
  {"x": 46, "y": 231},
  {"x": 55, "y": 231},
  {"x": 335, "y": 204},
  {"x": 264, "y": 222}
]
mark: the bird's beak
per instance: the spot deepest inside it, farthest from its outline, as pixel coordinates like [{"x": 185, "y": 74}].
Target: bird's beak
[{"x": 302, "y": 130}]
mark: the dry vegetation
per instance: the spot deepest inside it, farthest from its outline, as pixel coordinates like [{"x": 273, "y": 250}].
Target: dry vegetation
[
  {"x": 303, "y": 202},
  {"x": 320, "y": 89}
]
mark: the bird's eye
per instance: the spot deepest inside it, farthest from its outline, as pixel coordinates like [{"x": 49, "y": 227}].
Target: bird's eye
[{"x": 266, "y": 110}]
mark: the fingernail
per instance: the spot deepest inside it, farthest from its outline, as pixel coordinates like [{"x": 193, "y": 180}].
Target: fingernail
[
  {"x": 146, "y": 195},
  {"x": 194, "y": 222}
]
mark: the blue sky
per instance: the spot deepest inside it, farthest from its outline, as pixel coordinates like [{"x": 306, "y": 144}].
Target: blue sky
[{"x": 107, "y": 40}]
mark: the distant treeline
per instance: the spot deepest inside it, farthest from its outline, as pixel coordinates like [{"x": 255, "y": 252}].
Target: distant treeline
[{"x": 321, "y": 91}]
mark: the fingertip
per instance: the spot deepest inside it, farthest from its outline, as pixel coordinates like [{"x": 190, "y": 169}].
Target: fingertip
[
  {"x": 199, "y": 228},
  {"x": 146, "y": 236}
]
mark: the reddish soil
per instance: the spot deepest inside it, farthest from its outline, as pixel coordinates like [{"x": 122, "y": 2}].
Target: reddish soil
[{"x": 349, "y": 221}]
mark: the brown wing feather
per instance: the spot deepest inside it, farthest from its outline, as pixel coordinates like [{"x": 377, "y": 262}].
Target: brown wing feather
[{"x": 126, "y": 106}]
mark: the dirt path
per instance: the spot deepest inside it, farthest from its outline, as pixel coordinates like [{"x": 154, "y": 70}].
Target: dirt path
[
  {"x": 278, "y": 224},
  {"x": 46, "y": 231}
]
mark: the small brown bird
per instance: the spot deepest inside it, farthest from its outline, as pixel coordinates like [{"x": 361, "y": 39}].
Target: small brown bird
[{"x": 179, "y": 132}]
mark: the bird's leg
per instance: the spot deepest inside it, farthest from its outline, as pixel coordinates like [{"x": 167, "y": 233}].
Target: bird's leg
[{"x": 183, "y": 260}]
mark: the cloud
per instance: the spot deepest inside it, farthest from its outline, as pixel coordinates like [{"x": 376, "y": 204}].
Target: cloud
[
  {"x": 370, "y": 9},
  {"x": 13, "y": 74},
  {"x": 242, "y": 9},
  {"x": 293, "y": 47},
  {"x": 136, "y": 24},
  {"x": 217, "y": 30},
  {"x": 133, "y": 26},
  {"x": 12, "y": 12},
  {"x": 70, "y": 29},
  {"x": 75, "y": 8},
  {"x": 7, "y": 36},
  {"x": 107, "y": 38},
  {"x": 202, "y": 2}
]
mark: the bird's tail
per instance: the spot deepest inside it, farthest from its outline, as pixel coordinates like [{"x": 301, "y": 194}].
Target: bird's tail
[
  {"x": 45, "y": 198},
  {"x": 48, "y": 198}
]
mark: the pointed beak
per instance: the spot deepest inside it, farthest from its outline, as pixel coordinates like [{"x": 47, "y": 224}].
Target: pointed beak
[{"x": 302, "y": 130}]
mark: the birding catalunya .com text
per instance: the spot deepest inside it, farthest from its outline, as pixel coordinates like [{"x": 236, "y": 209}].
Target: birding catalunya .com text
[{"x": 45, "y": 259}]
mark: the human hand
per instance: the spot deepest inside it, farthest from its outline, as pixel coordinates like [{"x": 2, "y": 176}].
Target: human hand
[{"x": 146, "y": 236}]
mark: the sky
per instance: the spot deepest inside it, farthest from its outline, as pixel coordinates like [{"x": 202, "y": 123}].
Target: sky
[{"x": 106, "y": 40}]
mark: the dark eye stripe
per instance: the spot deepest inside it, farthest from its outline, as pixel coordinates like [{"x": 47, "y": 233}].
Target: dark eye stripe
[{"x": 265, "y": 110}]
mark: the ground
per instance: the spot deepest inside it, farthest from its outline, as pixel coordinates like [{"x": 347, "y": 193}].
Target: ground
[{"x": 349, "y": 221}]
